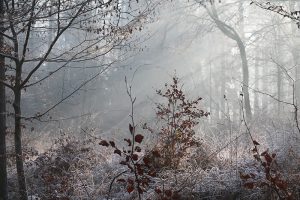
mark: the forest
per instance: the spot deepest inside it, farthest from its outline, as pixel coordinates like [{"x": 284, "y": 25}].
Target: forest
[{"x": 149, "y": 100}]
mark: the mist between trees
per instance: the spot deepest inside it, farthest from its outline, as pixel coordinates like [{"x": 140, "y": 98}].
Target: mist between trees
[{"x": 210, "y": 90}]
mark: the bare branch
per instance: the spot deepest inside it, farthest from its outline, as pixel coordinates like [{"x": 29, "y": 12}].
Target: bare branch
[
  {"x": 6, "y": 85},
  {"x": 52, "y": 45},
  {"x": 69, "y": 95},
  {"x": 28, "y": 32}
]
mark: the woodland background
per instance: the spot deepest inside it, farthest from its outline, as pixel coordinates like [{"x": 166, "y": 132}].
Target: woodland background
[{"x": 210, "y": 90}]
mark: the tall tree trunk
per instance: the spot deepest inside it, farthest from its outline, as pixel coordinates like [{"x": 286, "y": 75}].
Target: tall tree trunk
[
  {"x": 256, "y": 86},
  {"x": 242, "y": 49},
  {"x": 232, "y": 34},
  {"x": 295, "y": 54},
  {"x": 210, "y": 92},
  {"x": 245, "y": 78},
  {"x": 18, "y": 135},
  {"x": 223, "y": 89},
  {"x": 279, "y": 86},
  {"x": 3, "y": 172},
  {"x": 279, "y": 78},
  {"x": 265, "y": 83}
]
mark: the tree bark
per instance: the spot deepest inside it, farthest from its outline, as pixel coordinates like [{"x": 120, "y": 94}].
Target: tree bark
[
  {"x": 223, "y": 88},
  {"x": 3, "y": 171},
  {"x": 245, "y": 78},
  {"x": 295, "y": 54},
  {"x": 256, "y": 86},
  {"x": 279, "y": 74},
  {"x": 18, "y": 136},
  {"x": 265, "y": 83},
  {"x": 232, "y": 34}
]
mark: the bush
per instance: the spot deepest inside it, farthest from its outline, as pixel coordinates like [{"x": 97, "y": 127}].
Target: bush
[{"x": 178, "y": 116}]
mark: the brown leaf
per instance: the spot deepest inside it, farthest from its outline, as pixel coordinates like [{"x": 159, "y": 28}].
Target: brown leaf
[
  {"x": 135, "y": 157},
  {"x": 130, "y": 188},
  {"x": 121, "y": 180},
  {"x": 157, "y": 190},
  {"x": 139, "y": 138},
  {"x": 249, "y": 185},
  {"x": 117, "y": 151},
  {"x": 104, "y": 143},
  {"x": 131, "y": 129},
  {"x": 168, "y": 193},
  {"x": 128, "y": 141},
  {"x": 138, "y": 149},
  {"x": 112, "y": 143}
]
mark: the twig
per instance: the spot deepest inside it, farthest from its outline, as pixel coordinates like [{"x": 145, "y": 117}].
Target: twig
[
  {"x": 85, "y": 189},
  {"x": 132, "y": 101},
  {"x": 112, "y": 182}
]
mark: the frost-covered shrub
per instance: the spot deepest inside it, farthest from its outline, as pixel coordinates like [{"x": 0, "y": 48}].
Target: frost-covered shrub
[
  {"x": 178, "y": 116},
  {"x": 66, "y": 171}
]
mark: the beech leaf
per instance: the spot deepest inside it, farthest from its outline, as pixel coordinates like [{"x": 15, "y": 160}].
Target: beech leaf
[
  {"x": 128, "y": 141},
  {"x": 135, "y": 157},
  {"x": 138, "y": 149},
  {"x": 139, "y": 138},
  {"x": 131, "y": 128},
  {"x": 168, "y": 193},
  {"x": 249, "y": 185},
  {"x": 112, "y": 143},
  {"x": 157, "y": 190},
  {"x": 104, "y": 143},
  {"x": 130, "y": 188},
  {"x": 117, "y": 151}
]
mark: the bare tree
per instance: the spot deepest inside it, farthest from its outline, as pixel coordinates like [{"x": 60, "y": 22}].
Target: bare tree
[
  {"x": 99, "y": 32},
  {"x": 3, "y": 171},
  {"x": 232, "y": 34}
]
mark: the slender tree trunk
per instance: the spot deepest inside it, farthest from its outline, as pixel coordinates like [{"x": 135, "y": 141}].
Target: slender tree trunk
[
  {"x": 18, "y": 136},
  {"x": 242, "y": 49},
  {"x": 256, "y": 86},
  {"x": 210, "y": 92},
  {"x": 277, "y": 54},
  {"x": 279, "y": 82},
  {"x": 3, "y": 172},
  {"x": 245, "y": 78},
  {"x": 279, "y": 86},
  {"x": 232, "y": 34},
  {"x": 223, "y": 89},
  {"x": 295, "y": 53},
  {"x": 265, "y": 83}
]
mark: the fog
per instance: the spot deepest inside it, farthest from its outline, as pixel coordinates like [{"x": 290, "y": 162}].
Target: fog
[
  {"x": 241, "y": 57},
  {"x": 181, "y": 39}
]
